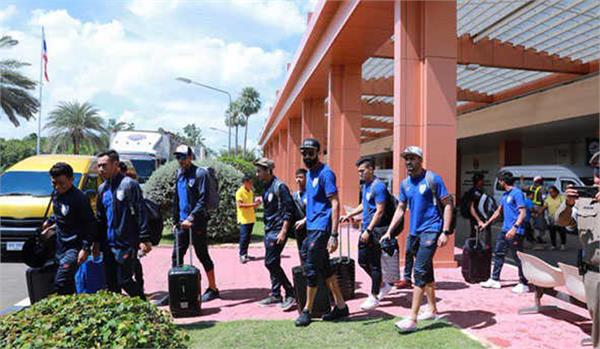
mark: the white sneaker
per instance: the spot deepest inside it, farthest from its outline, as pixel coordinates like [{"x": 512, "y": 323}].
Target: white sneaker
[
  {"x": 427, "y": 315},
  {"x": 563, "y": 247},
  {"x": 371, "y": 303},
  {"x": 490, "y": 283},
  {"x": 406, "y": 325},
  {"x": 520, "y": 288},
  {"x": 384, "y": 290}
]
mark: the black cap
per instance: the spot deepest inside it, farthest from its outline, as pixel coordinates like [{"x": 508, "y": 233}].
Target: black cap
[{"x": 310, "y": 143}]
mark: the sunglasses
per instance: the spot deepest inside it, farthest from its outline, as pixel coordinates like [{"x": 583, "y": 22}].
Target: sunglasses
[
  {"x": 180, "y": 156},
  {"x": 308, "y": 152}
]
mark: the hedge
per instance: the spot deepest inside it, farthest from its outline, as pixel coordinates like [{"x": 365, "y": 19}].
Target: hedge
[
  {"x": 223, "y": 223},
  {"x": 101, "y": 320}
]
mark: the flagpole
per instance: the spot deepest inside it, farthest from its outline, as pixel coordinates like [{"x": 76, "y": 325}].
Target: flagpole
[{"x": 39, "y": 131}]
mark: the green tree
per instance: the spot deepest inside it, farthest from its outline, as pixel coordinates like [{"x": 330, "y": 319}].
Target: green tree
[
  {"x": 233, "y": 115},
  {"x": 114, "y": 126},
  {"x": 15, "y": 150},
  {"x": 193, "y": 135},
  {"x": 249, "y": 103},
  {"x": 16, "y": 100},
  {"x": 76, "y": 124}
]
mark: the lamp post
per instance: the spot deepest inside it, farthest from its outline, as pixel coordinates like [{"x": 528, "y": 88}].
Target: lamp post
[{"x": 190, "y": 81}]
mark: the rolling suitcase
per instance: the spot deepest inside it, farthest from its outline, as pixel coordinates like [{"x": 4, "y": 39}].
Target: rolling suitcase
[
  {"x": 184, "y": 287},
  {"x": 476, "y": 260},
  {"x": 321, "y": 304},
  {"x": 345, "y": 269},
  {"x": 40, "y": 281}
]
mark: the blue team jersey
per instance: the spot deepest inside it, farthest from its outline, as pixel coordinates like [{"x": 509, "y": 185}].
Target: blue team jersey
[
  {"x": 372, "y": 194},
  {"x": 512, "y": 201},
  {"x": 320, "y": 186},
  {"x": 424, "y": 214},
  {"x": 184, "y": 207},
  {"x": 528, "y": 207}
]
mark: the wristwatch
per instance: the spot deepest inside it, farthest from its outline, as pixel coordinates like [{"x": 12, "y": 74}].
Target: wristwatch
[
  {"x": 446, "y": 232},
  {"x": 517, "y": 225},
  {"x": 369, "y": 231},
  {"x": 334, "y": 235}
]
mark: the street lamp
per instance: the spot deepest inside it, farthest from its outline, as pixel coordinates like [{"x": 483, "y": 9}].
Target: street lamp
[
  {"x": 190, "y": 81},
  {"x": 218, "y": 129}
]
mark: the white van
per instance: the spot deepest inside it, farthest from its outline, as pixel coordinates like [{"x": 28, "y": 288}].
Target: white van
[{"x": 553, "y": 175}]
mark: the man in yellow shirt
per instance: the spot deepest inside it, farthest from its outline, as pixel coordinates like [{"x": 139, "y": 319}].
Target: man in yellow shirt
[
  {"x": 244, "y": 199},
  {"x": 551, "y": 203}
]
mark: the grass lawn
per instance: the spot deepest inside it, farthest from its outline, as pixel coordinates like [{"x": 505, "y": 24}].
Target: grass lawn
[{"x": 370, "y": 333}]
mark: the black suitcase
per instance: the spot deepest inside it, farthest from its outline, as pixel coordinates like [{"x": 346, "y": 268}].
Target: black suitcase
[
  {"x": 321, "y": 304},
  {"x": 345, "y": 269},
  {"x": 184, "y": 288},
  {"x": 476, "y": 260},
  {"x": 40, "y": 281}
]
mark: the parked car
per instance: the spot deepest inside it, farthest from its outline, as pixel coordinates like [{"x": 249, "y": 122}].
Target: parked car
[
  {"x": 25, "y": 191},
  {"x": 556, "y": 175}
]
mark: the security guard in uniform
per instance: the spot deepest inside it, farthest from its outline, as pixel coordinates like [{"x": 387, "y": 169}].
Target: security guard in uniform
[
  {"x": 587, "y": 218},
  {"x": 73, "y": 222}
]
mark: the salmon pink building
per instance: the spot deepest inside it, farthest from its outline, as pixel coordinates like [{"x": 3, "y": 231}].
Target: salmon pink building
[{"x": 476, "y": 84}]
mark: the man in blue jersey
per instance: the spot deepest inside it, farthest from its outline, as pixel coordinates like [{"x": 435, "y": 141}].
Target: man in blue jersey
[
  {"x": 322, "y": 214},
  {"x": 426, "y": 197},
  {"x": 373, "y": 207},
  {"x": 510, "y": 239}
]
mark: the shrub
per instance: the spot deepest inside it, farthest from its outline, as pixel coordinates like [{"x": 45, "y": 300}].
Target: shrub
[
  {"x": 100, "y": 320},
  {"x": 223, "y": 223},
  {"x": 246, "y": 167}
]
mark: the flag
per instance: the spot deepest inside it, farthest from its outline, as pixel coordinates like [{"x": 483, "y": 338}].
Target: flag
[{"x": 45, "y": 55}]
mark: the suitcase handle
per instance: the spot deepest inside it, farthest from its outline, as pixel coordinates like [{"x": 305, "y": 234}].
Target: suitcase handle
[
  {"x": 177, "y": 245},
  {"x": 348, "y": 239}
]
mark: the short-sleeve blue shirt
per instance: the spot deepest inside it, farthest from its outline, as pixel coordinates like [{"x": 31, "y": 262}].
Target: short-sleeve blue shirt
[
  {"x": 372, "y": 194},
  {"x": 424, "y": 215},
  {"x": 320, "y": 186},
  {"x": 511, "y": 202},
  {"x": 528, "y": 207}
]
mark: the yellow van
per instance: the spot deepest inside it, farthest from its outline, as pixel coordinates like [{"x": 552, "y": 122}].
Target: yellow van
[{"x": 25, "y": 190}]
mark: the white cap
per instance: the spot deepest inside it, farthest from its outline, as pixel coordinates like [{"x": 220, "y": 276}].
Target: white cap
[
  {"x": 184, "y": 149},
  {"x": 537, "y": 178},
  {"x": 412, "y": 150}
]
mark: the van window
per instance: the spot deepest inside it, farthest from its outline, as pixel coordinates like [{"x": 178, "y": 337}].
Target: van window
[
  {"x": 91, "y": 183},
  {"x": 33, "y": 183},
  {"x": 565, "y": 182},
  {"x": 528, "y": 181}
]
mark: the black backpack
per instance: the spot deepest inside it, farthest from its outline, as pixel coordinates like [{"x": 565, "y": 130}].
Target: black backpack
[
  {"x": 465, "y": 202},
  {"x": 296, "y": 211},
  {"x": 155, "y": 221}
]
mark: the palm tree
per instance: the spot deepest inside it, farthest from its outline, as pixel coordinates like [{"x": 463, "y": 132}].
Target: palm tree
[
  {"x": 232, "y": 119},
  {"x": 14, "y": 87},
  {"x": 249, "y": 104},
  {"x": 114, "y": 126},
  {"x": 77, "y": 124}
]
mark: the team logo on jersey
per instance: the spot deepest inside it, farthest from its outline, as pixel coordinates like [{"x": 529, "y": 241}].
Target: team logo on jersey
[
  {"x": 120, "y": 194},
  {"x": 64, "y": 209},
  {"x": 315, "y": 182},
  {"x": 304, "y": 200},
  {"x": 368, "y": 196},
  {"x": 422, "y": 188},
  {"x": 270, "y": 197},
  {"x": 509, "y": 199},
  {"x": 191, "y": 182}
]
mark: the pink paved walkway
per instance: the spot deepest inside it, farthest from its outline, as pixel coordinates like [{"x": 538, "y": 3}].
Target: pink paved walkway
[{"x": 489, "y": 315}]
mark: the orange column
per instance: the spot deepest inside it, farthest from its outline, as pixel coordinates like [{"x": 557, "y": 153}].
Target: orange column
[
  {"x": 313, "y": 120},
  {"x": 294, "y": 140},
  {"x": 275, "y": 156},
  {"x": 282, "y": 166},
  {"x": 343, "y": 132},
  {"x": 425, "y": 93}
]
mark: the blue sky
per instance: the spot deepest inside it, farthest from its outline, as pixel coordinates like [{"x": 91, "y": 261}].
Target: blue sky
[{"x": 123, "y": 56}]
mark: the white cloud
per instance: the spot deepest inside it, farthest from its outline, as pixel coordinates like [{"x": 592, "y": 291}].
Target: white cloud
[
  {"x": 152, "y": 8},
  {"x": 284, "y": 15},
  {"x": 89, "y": 61},
  {"x": 7, "y": 13}
]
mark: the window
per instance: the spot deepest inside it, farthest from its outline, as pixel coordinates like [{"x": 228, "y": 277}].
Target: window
[
  {"x": 23, "y": 183},
  {"x": 565, "y": 182},
  {"x": 91, "y": 183}
]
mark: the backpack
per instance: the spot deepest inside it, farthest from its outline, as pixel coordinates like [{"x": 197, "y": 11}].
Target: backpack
[
  {"x": 465, "y": 202},
  {"x": 487, "y": 206},
  {"x": 436, "y": 200},
  {"x": 155, "y": 221},
  {"x": 391, "y": 203},
  {"x": 212, "y": 188}
]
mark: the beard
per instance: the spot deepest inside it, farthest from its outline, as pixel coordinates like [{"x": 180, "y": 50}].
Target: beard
[{"x": 309, "y": 162}]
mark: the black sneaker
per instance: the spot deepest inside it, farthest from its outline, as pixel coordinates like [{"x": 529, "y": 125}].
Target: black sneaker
[
  {"x": 288, "y": 303},
  {"x": 304, "y": 319},
  {"x": 336, "y": 314},
  {"x": 210, "y": 294},
  {"x": 270, "y": 301}
]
